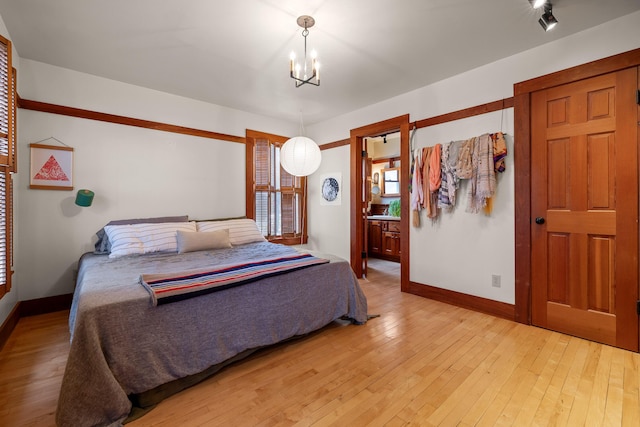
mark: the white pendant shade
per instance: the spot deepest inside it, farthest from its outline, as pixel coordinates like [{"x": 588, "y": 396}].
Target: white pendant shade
[{"x": 300, "y": 156}]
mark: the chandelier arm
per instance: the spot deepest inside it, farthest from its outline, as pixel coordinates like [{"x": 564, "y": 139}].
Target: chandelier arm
[{"x": 300, "y": 82}]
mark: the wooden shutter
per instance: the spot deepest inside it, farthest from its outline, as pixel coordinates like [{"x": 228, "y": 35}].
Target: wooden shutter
[
  {"x": 13, "y": 128},
  {"x": 262, "y": 188},
  {"x": 6, "y": 109},
  {"x": 275, "y": 199},
  {"x": 6, "y": 231},
  {"x": 7, "y": 163}
]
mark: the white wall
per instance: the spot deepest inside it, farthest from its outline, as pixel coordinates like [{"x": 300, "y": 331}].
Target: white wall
[
  {"x": 463, "y": 250},
  {"x": 134, "y": 172},
  {"x": 335, "y": 230}
]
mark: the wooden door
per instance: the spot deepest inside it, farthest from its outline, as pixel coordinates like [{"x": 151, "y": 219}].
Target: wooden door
[
  {"x": 584, "y": 208},
  {"x": 367, "y": 164}
]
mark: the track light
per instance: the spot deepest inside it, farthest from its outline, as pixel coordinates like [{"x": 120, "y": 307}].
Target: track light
[
  {"x": 548, "y": 21},
  {"x": 537, "y": 3}
]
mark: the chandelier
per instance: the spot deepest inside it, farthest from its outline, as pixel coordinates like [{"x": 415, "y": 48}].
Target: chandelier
[{"x": 305, "y": 72}]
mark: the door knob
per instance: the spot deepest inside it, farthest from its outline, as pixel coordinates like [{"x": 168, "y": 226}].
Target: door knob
[{"x": 539, "y": 220}]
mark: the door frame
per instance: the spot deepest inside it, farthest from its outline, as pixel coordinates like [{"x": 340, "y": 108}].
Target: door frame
[
  {"x": 401, "y": 124},
  {"x": 522, "y": 161}
]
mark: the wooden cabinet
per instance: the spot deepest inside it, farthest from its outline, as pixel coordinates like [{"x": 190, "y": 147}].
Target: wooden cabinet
[
  {"x": 375, "y": 236},
  {"x": 391, "y": 240},
  {"x": 384, "y": 239}
]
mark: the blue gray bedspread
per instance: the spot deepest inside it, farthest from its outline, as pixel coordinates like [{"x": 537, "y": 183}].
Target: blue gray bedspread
[{"x": 121, "y": 344}]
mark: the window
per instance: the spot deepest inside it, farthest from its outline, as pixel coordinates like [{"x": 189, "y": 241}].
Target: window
[
  {"x": 391, "y": 182},
  {"x": 7, "y": 162},
  {"x": 275, "y": 199}
]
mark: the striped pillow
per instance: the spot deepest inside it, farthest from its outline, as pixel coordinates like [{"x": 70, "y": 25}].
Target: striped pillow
[
  {"x": 241, "y": 231},
  {"x": 103, "y": 246},
  {"x": 145, "y": 238},
  {"x": 124, "y": 240},
  {"x": 162, "y": 237}
]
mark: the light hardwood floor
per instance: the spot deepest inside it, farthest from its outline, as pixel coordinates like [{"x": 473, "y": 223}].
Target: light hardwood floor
[{"x": 420, "y": 363}]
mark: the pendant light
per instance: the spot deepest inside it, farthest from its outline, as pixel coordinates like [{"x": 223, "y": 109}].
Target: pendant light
[{"x": 300, "y": 156}]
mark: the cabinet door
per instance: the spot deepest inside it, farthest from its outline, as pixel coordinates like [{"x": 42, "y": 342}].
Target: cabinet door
[
  {"x": 391, "y": 243},
  {"x": 375, "y": 237}
]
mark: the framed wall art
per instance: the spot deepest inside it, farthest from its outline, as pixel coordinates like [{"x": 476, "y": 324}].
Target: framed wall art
[
  {"x": 331, "y": 189},
  {"x": 51, "y": 167}
]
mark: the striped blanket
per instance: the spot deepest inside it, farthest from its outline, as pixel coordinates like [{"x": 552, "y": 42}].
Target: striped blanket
[{"x": 171, "y": 287}]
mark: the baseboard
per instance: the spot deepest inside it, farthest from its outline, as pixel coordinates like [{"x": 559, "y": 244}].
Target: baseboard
[
  {"x": 37, "y": 306},
  {"x": 471, "y": 302},
  {"x": 9, "y": 325},
  {"x": 31, "y": 308}
]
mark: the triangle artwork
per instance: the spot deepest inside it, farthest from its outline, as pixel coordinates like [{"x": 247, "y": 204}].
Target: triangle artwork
[{"x": 51, "y": 171}]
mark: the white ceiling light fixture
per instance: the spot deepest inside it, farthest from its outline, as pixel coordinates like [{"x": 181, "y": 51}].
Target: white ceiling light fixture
[
  {"x": 548, "y": 21},
  {"x": 300, "y": 156},
  {"x": 306, "y": 72}
]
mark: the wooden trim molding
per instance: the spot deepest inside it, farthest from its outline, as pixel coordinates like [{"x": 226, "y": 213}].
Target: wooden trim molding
[
  {"x": 9, "y": 325},
  {"x": 466, "y": 112},
  {"x": 45, "y": 305},
  {"x": 471, "y": 302},
  {"x": 595, "y": 68},
  {"x": 401, "y": 124},
  {"x": 489, "y": 107},
  {"x": 335, "y": 144},
  {"x": 123, "y": 120},
  {"x": 32, "y": 308}
]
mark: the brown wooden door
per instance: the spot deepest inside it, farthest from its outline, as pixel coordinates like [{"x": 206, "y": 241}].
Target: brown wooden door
[{"x": 584, "y": 208}]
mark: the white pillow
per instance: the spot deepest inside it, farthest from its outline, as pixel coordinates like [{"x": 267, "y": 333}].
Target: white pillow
[
  {"x": 162, "y": 237},
  {"x": 145, "y": 238},
  {"x": 241, "y": 231},
  {"x": 190, "y": 241},
  {"x": 124, "y": 240}
]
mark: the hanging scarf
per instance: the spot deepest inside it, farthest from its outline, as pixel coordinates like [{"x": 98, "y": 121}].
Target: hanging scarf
[
  {"x": 483, "y": 180},
  {"x": 499, "y": 151},
  {"x": 435, "y": 178},
  {"x": 426, "y": 187},
  {"x": 443, "y": 194},
  {"x": 435, "y": 172},
  {"x": 452, "y": 177},
  {"x": 413, "y": 159},
  {"x": 417, "y": 196},
  {"x": 464, "y": 167}
]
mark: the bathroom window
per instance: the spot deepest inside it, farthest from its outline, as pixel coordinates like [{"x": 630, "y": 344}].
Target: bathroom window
[{"x": 391, "y": 182}]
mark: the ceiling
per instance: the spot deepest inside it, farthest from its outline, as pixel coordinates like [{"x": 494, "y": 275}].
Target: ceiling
[{"x": 236, "y": 53}]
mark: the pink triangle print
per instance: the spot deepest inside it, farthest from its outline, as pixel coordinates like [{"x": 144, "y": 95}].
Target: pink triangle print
[{"x": 51, "y": 171}]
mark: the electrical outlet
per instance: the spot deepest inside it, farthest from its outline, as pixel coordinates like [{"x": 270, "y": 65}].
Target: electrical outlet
[{"x": 495, "y": 280}]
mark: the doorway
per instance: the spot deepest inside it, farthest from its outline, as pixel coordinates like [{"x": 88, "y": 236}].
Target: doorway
[
  {"x": 359, "y": 197},
  {"x": 577, "y": 201}
]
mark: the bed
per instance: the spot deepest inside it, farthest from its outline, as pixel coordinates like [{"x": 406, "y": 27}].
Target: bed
[{"x": 129, "y": 351}]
